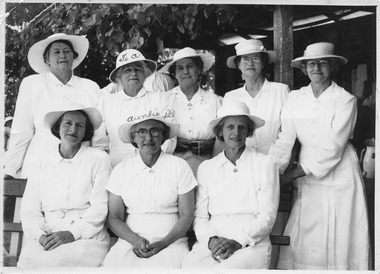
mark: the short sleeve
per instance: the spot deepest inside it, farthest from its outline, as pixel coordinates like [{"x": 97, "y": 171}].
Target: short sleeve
[
  {"x": 187, "y": 179},
  {"x": 115, "y": 180}
]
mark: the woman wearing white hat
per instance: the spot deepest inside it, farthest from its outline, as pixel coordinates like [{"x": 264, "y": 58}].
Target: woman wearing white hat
[
  {"x": 194, "y": 107},
  {"x": 151, "y": 199},
  {"x": 64, "y": 207},
  {"x": 237, "y": 198},
  {"x": 55, "y": 85},
  {"x": 263, "y": 98},
  {"x": 131, "y": 101},
  {"x": 328, "y": 225}
]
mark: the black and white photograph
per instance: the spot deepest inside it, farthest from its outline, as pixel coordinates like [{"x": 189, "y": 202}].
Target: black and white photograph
[{"x": 189, "y": 136}]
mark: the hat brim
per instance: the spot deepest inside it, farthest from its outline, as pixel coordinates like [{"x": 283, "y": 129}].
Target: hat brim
[
  {"x": 96, "y": 118},
  {"x": 124, "y": 129},
  {"x": 271, "y": 57},
  {"x": 258, "y": 122},
  {"x": 36, "y": 58},
  {"x": 150, "y": 64},
  {"x": 296, "y": 63},
  {"x": 207, "y": 58}
]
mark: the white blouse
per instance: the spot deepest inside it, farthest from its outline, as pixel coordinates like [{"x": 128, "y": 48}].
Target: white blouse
[
  {"x": 267, "y": 105},
  {"x": 250, "y": 187},
  {"x": 195, "y": 115},
  {"x": 323, "y": 125},
  {"x": 68, "y": 194},
  {"x": 151, "y": 190},
  {"x": 119, "y": 108},
  {"x": 39, "y": 94}
]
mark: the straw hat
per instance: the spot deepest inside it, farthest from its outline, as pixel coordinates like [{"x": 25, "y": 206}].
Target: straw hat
[
  {"x": 95, "y": 117},
  {"x": 207, "y": 59},
  {"x": 318, "y": 51},
  {"x": 130, "y": 56},
  {"x": 124, "y": 129},
  {"x": 35, "y": 54},
  {"x": 235, "y": 109},
  {"x": 247, "y": 47}
]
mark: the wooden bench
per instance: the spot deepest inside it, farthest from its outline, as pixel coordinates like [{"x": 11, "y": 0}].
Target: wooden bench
[{"x": 13, "y": 191}]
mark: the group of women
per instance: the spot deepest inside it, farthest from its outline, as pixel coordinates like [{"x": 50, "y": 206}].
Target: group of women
[{"x": 151, "y": 165}]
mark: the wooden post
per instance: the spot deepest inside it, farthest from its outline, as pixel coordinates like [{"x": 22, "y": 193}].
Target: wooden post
[{"x": 283, "y": 44}]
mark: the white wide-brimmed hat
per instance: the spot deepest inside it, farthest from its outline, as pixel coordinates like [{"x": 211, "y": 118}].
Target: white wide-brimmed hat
[
  {"x": 129, "y": 56},
  {"x": 51, "y": 117},
  {"x": 207, "y": 58},
  {"x": 235, "y": 109},
  {"x": 124, "y": 129},
  {"x": 35, "y": 54},
  {"x": 317, "y": 51},
  {"x": 248, "y": 47}
]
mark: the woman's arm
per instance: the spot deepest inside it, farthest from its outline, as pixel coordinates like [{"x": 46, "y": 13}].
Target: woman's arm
[
  {"x": 116, "y": 222},
  {"x": 22, "y": 130},
  {"x": 92, "y": 221},
  {"x": 186, "y": 217},
  {"x": 334, "y": 137},
  {"x": 268, "y": 196},
  {"x": 32, "y": 218}
]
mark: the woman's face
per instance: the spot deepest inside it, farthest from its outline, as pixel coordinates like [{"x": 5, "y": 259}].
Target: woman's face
[
  {"x": 235, "y": 131},
  {"x": 251, "y": 65},
  {"x": 148, "y": 136},
  {"x": 72, "y": 128},
  {"x": 319, "y": 70},
  {"x": 60, "y": 58},
  {"x": 187, "y": 73},
  {"x": 132, "y": 76}
]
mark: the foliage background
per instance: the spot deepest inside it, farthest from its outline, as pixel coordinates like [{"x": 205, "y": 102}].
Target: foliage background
[{"x": 110, "y": 29}]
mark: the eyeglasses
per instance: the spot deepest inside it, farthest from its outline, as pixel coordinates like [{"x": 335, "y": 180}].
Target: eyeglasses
[
  {"x": 253, "y": 59},
  {"x": 321, "y": 63},
  {"x": 144, "y": 132}
]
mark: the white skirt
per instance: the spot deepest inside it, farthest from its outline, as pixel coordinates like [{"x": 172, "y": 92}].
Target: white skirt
[
  {"x": 80, "y": 253},
  {"x": 153, "y": 227}
]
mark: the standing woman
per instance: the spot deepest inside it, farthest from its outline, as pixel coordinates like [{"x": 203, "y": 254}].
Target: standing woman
[
  {"x": 55, "y": 85},
  {"x": 194, "y": 107},
  {"x": 151, "y": 200},
  {"x": 131, "y": 100},
  {"x": 263, "y": 98},
  {"x": 64, "y": 207},
  {"x": 328, "y": 225},
  {"x": 236, "y": 200}
]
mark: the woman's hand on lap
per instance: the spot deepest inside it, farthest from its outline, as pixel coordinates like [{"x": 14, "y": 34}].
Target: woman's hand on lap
[{"x": 52, "y": 240}]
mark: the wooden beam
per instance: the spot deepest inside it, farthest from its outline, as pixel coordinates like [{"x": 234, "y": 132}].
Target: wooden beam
[{"x": 283, "y": 44}]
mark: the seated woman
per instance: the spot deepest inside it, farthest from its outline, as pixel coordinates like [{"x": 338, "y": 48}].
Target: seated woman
[
  {"x": 151, "y": 199},
  {"x": 64, "y": 207},
  {"x": 237, "y": 198}
]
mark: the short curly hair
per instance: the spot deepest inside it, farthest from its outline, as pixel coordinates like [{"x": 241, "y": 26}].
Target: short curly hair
[
  {"x": 89, "y": 128},
  {"x": 218, "y": 129}
]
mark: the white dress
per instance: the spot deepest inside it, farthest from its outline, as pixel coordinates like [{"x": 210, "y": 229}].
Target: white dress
[
  {"x": 151, "y": 199},
  {"x": 236, "y": 202},
  {"x": 267, "y": 105},
  {"x": 39, "y": 94},
  {"x": 66, "y": 194},
  {"x": 194, "y": 117},
  {"x": 328, "y": 225},
  {"x": 119, "y": 108}
]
